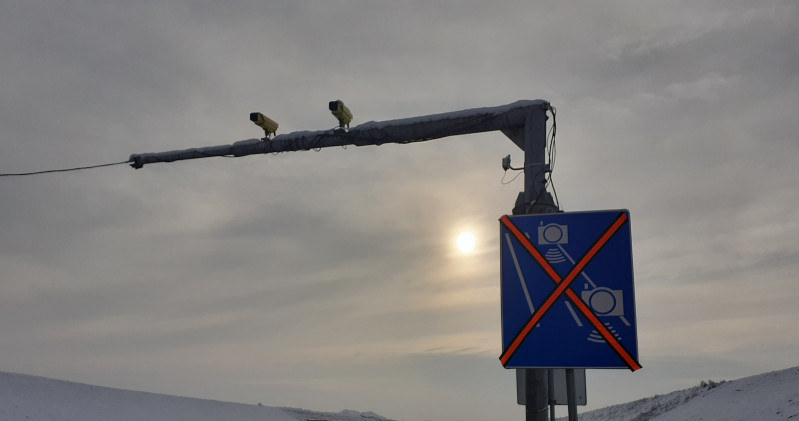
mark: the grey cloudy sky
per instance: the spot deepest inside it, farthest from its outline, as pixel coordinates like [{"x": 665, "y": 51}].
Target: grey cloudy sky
[{"x": 330, "y": 280}]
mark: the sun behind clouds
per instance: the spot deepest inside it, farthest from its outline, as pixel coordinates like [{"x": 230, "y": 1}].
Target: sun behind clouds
[{"x": 466, "y": 242}]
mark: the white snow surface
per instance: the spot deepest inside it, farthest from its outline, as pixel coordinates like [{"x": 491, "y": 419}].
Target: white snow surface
[
  {"x": 765, "y": 397},
  {"x": 24, "y": 398}
]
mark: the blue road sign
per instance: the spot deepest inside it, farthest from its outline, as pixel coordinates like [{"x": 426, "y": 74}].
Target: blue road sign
[{"x": 567, "y": 291}]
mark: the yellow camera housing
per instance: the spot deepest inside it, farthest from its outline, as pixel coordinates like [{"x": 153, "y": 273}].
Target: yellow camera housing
[
  {"x": 341, "y": 112},
  {"x": 264, "y": 122}
]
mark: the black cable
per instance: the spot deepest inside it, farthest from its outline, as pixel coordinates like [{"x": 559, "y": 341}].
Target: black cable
[
  {"x": 554, "y": 191},
  {"x": 64, "y": 169},
  {"x": 511, "y": 180},
  {"x": 550, "y": 165},
  {"x": 552, "y": 155}
]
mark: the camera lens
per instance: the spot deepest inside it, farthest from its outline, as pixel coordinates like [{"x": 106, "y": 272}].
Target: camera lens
[
  {"x": 553, "y": 233},
  {"x": 602, "y": 301}
]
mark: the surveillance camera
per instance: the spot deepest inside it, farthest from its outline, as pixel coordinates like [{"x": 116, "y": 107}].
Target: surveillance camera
[
  {"x": 341, "y": 112},
  {"x": 264, "y": 122}
]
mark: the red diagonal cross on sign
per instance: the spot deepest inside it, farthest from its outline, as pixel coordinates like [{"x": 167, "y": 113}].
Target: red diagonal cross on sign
[{"x": 563, "y": 288}]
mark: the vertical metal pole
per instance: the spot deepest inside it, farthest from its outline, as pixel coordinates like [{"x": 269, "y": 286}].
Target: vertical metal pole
[
  {"x": 536, "y": 394},
  {"x": 551, "y": 378},
  {"x": 535, "y": 199},
  {"x": 571, "y": 394}
]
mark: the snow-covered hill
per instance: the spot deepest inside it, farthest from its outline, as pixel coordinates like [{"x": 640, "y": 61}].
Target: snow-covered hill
[
  {"x": 765, "y": 397},
  {"x": 27, "y": 398}
]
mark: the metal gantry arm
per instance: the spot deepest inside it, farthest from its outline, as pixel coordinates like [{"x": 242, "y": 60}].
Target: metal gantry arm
[
  {"x": 507, "y": 118},
  {"x": 524, "y": 122}
]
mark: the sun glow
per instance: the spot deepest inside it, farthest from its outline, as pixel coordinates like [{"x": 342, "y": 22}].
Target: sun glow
[{"x": 466, "y": 242}]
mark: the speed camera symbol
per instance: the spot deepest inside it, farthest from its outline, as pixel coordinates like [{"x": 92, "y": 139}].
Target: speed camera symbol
[
  {"x": 605, "y": 301},
  {"x": 553, "y": 234}
]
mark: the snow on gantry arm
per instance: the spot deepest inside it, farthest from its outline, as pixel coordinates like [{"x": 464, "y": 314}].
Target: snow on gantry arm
[{"x": 406, "y": 130}]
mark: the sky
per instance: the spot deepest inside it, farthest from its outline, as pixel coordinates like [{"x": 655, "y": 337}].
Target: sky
[{"x": 331, "y": 280}]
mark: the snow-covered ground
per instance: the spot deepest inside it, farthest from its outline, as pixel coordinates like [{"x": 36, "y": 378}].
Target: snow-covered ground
[
  {"x": 765, "y": 397},
  {"x": 27, "y": 398}
]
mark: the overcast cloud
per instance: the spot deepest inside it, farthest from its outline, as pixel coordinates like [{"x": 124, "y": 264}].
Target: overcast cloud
[{"x": 330, "y": 280}]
